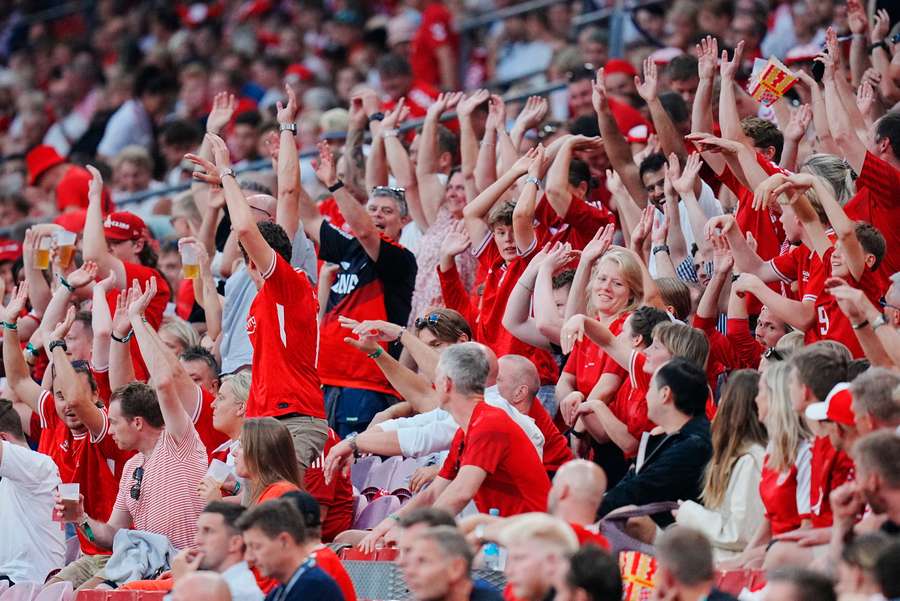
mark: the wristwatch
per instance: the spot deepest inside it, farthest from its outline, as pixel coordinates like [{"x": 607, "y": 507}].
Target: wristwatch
[
  {"x": 879, "y": 44},
  {"x": 379, "y": 116},
  {"x": 533, "y": 180},
  {"x": 860, "y": 325},
  {"x": 878, "y": 322},
  {"x": 351, "y": 440},
  {"x": 291, "y": 127},
  {"x": 336, "y": 186},
  {"x": 226, "y": 172},
  {"x": 57, "y": 344},
  {"x": 663, "y": 248}
]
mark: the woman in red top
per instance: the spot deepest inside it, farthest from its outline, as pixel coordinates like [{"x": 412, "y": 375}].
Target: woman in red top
[{"x": 784, "y": 484}]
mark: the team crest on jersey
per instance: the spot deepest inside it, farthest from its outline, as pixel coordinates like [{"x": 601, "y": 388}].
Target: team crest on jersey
[
  {"x": 64, "y": 445},
  {"x": 251, "y": 324}
]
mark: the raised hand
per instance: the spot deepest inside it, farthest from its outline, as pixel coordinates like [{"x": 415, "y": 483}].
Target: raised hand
[
  {"x": 832, "y": 45},
  {"x": 374, "y": 328},
  {"x": 598, "y": 92},
  {"x": 723, "y": 260},
  {"x": 598, "y": 245},
  {"x": 568, "y": 407},
  {"x": 224, "y": 105},
  {"x": 660, "y": 229},
  {"x": 533, "y": 113},
  {"x": 720, "y": 224},
  {"x": 683, "y": 181},
  {"x": 209, "y": 175},
  {"x": 396, "y": 115},
  {"x": 467, "y": 105},
  {"x": 558, "y": 257},
  {"x": 648, "y": 88},
  {"x": 497, "y": 108},
  {"x": 287, "y": 113},
  {"x": 18, "y": 298},
  {"x": 800, "y": 120},
  {"x": 709, "y": 143},
  {"x": 456, "y": 241},
  {"x": 83, "y": 275},
  {"x": 614, "y": 183},
  {"x": 707, "y": 57},
  {"x": 121, "y": 324},
  {"x": 865, "y": 98},
  {"x": 523, "y": 163},
  {"x": 763, "y": 194},
  {"x": 445, "y": 102},
  {"x": 746, "y": 282},
  {"x": 324, "y": 166},
  {"x": 728, "y": 68},
  {"x": 856, "y": 17},
  {"x": 642, "y": 229},
  {"x": 138, "y": 301},
  {"x": 95, "y": 188},
  {"x": 536, "y": 169},
  {"x": 828, "y": 62},
  {"x": 881, "y": 27},
  {"x": 219, "y": 151}
]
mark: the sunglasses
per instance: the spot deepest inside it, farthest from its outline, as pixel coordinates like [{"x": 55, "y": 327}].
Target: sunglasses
[
  {"x": 137, "y": 476},
  {"x": 398, "y": 193},
  {"x": 432, "y": 320},
  {"x": 586, "y": 71}
]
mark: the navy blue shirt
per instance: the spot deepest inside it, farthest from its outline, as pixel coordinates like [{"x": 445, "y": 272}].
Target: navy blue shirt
[{"x": 312, "y": 583}]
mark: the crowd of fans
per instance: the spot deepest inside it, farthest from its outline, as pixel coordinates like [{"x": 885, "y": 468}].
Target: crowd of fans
[{"x": 251, "y": 242}]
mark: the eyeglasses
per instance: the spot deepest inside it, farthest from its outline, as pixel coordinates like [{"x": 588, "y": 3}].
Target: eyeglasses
[
  {"x": 392, "y": 191},
  {"x": 586, "y": 71},
  {"x": 137, "y": 476},
  {"x": 773, "y": 354}
]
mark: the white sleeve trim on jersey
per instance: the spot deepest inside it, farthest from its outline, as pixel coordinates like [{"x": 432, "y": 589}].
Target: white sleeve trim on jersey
[
  {"x": 268, "y": 273},
  {"x": 477, "y": 250},
  {"x": 780, "y": 275},
  {"x": 529, "y": 250},
  {"x": 199, "y": 408},
  {"x": 103, "y": 433}
]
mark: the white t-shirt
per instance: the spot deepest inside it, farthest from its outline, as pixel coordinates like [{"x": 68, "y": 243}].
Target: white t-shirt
[
  {"x": 31, "y": 543},
  {"x": 710, "y": 206}
]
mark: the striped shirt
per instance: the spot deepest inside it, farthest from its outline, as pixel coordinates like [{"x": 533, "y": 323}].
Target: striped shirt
[{"x": 168, "y": 503}]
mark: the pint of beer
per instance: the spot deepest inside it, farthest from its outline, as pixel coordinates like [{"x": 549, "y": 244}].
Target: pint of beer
[
  {"x": 65, "y": 246},
  {"x": 190, "y": 262},
  {"x": 42, "y": 255}
]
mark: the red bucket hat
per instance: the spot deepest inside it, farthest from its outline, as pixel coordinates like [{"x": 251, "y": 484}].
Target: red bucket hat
[{"x": 39, "y": 159}]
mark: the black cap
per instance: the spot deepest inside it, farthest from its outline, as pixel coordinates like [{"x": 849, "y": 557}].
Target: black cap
[{"x": 308, "y": 506}]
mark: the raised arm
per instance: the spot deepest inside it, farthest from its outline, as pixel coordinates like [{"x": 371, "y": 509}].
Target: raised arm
[
  {"x": 547, "y": 318},
  {"x": 819, "y": 114},
  {"x": 558, "y": 193},
  {"x": 685, "y": 182},
  {"x": 850, "y": 145},
  {"x": 121, "y": 369},
  {"x": 708, "y": 307},
  {"x": 73, "y": 389},
  {"x": 361, "y": 106},
  {"x": 530, "y": 116},
  {"x": 288, "y": 212},
  {"x": 729, "y": 120},
  {"x": 101, "y": 323},
  {"x": 800, "y": 315},
  {"x": 523, "y": 214},
  {"x": 431, "y": 190},
  {"x": 17, "y": 374},
  {"x": 669, "y": 137},
  {"x": 793, "y": 135},
  {"x": 475, "y": 213},
  {"x": 881, "y": 58},
  {"x": 39, "y": 292},
  {"x": 702, "y": 111},
  {"x": 468, "y": 142},
  {"x": 579, "y": 326},
  {"x": 401, "y": 166},
  {"x": 94, "y": 246},
  {"x": 176, "y": 418},
  {"x": 745, "y": 258},
  {"x": 223, "y": 107},
  {"x": 617, "y": 147},
  {"x": 56, "y": 309},
  {"x": 593, "y": 250},
  {"x": 486, "y": 164},
  {"x": 517, "y": 317}
]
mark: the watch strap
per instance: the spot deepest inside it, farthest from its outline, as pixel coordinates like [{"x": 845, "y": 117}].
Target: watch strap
[
  {"x": 336, "y": 186},
  {"x": 226, "y": 172},
  {"x": 377, "y": 116},
  {"x": 291, "y": 127},
  {"x": 57, "y": 344}
]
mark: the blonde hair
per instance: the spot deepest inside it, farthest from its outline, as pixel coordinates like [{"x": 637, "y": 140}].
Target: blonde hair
[
  {"x": 180, "y": 329},
  {"x": 790, "y": 343},
  {"x": 240, "y": 384},
  {"x": 136, "y": 155},
  {"x": 683, "y": 341},
  {"x": 786, "y": 429},
  {"x": 549, "y": 532},
  {"x": 631, "y": 273},
  {"x": 676, "y": 294},
  {"x": 836, "y": 172}
]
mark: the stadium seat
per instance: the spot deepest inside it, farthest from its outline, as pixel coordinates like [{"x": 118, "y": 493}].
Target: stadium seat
[
  {"x": 376, "y": 511},
  {"x": 402, "y": 475},
  {"x": 22, "y": 591},
  {"x": 61, "y": 591},
  {"x": 379, "y": 478},
  {"x": 359, "y": 471}
]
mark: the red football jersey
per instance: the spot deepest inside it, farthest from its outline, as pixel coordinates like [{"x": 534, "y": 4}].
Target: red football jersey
[
  {"x": 336, "y": 499},
  {"x": 436, "y": 31},
  {"x": 516, "y": 481},
  {"x": 779, "y": 496},
  {"x": 577, "y": 227},
  {"x": 203, "y": 422},
  {"x": 283, "y": 327},
  {"x": 830, "y": 468},
  {"x": 876, "y": 203},
  {"x": 556, "y": 449}
]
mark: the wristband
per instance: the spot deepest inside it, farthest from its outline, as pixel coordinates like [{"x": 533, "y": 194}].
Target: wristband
[
  {"x": 860, "y": 325},
  {"x": 376, "y": 353},
  {"x": 878, "y": 322},
  {"x": 379, "y": 116},
  {"x": 226, "y": 172},
  {"x": 57, "y": 344},
  {"x": 65, "y": 284},
  {"x": 86, "y": 527},
  {"x": 663, "y": 248},
  {"x": 9, "y": 326},
  {"x": 124, "y": 340},
  {"x": 335, "y": 186},
  {"x": 533, "y": 180},
  {"x": 390, "y": 133},
  {"x": 29, "y": 348},
  {"x": 351, "y": 440},
  {"x": 880, "y": 44},
  {"x": 291, "y": 127}
]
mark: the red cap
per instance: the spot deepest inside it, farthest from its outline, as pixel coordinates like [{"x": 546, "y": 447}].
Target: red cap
[
  {"x": 301, "y": 72},
  {"x": 124, "y": 225},
  {"x": 10, "y": 250},
  {"x": 72, "y": 190},
  {"x": 617, "y": 65},
  {"x": 39, "y": 159},
  {"x": 836, "y": 407},
  {"x": 72, "y": 221}
]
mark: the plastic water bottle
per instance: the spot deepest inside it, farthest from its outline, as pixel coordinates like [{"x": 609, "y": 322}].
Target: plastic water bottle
[{"x": 491, "y": 552}]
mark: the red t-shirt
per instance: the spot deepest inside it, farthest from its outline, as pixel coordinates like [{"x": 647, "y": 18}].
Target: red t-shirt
[
  {"x": 419, "y": 97},
  {"x": 516, "y": 481},
  {"x": 101, "y": 377},
  {"x": 876, "y": 202},
  {"x": 501, "y": 278},
  {"x": 779, "y": 496},
  {"x": 640, "y": 382},
  {"x": 801, "y": 265},
  {"x": 748, "y": 350},
  {"x": 203, "y": 422},
  {"x": 831, "y": 322},
  {"x": 588, "y": 537},
  {"x": 282, "y": 325},
  {"x": 436, "y": 31},
  {"x": 556, "y": 449},
  {"x": 587, "y": 361},
  {"x": 577, "y": 227},
  {"x": 155, "y": 310},
  {"x": 94, "y": 463},
  {"x": 331, "y": 565},
  {"x": 336, "y": 498},
  {"x": 829, "y": 468}
]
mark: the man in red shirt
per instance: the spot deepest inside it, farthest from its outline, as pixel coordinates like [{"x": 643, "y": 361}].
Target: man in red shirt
[
  {"x": 67, "y": 183},
  {"x": 491, "y": 460},
  {"x": 282, "y": 324},
  {"x": 335, "y": 498},
  {"x": 518, "y": 383},
  {"x": 435, "y": 47},
  {"x": 397, "y": 82}
]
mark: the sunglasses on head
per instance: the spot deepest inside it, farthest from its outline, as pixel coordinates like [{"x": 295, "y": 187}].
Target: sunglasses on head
[
  {"x": 773, "y": 354},
  {"x": 393, "y": 191},
  {"x": 137, "y": 476}
]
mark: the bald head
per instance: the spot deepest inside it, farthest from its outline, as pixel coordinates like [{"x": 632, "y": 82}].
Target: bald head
[
  {"x": 493, "y": 368},
  {"x": 517, "y": 379},
  {"x": 264, "y": 206},
  {"x": 578, "y": 486},
  {"x": 201, "y": 586}
]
